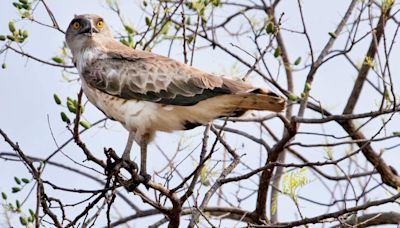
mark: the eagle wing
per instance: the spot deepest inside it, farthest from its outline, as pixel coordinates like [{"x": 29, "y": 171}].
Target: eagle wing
[{"x": 133, "y": 74}]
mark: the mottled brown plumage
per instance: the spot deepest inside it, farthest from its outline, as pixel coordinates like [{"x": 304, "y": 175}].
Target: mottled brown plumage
[{"x": 148, "y": 92}]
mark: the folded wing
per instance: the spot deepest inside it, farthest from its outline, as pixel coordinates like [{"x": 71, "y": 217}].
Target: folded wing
[{"x": 146, "y": 76}]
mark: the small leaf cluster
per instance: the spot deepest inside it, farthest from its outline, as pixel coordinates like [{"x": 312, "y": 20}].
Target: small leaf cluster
[
  {"x": 293, "y": 97},
  {"x": 21, "y": 182},
  {"x": 293, "y": 181},
  {"x": 16, "y": 35},
  {"x": 17, "y": 206},
  {"x": 396, "y": 133},
  {"x": 200, "y": 7},
  {"x": 72, "y": 106},
  {"x": 206, "y": 175},
  {"x": 128, "y": 40},
  {"x": 270, "y": 26},
  {"x": 369, "y": 61},
  {"x": 271, "y": 29},
  {"x": 24, "y": 8}
]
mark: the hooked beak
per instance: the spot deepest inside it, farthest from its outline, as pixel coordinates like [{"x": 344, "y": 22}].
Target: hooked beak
[{"x": 88, "y": 29}]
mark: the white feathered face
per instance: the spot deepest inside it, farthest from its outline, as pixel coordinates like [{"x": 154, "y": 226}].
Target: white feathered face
[{"x": 85, "y": 29}]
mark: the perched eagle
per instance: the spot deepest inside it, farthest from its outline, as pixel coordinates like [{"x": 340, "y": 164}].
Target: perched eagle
[{"x": 146, "y": 92}]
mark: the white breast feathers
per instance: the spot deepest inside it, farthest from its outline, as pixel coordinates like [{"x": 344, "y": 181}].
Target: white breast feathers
[{"x": 85, "y": 57}]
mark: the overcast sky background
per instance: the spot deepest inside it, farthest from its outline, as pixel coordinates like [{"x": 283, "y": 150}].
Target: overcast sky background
[{"x": 27, "y": 108}]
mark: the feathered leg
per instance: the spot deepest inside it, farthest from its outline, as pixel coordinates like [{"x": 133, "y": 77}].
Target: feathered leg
[
  {"x": 126, "y": 156},
  {"x": 143, "y": 157}
]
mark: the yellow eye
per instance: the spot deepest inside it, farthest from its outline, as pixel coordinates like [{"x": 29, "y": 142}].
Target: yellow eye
[
  {"x": 100, "y": 24},
  {"x": 76, "y": 25}
]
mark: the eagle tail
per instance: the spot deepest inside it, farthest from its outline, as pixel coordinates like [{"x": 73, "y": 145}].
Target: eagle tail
[
  {"x": 238, "y": 104},
  {"x": 229, "y": 105}
]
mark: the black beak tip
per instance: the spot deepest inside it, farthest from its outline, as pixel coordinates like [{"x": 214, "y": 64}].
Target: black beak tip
[
  {"x": 94, "y": 30},
  {"x": 89, "y": 30}
]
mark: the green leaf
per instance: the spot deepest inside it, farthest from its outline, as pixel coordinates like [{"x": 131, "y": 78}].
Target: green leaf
[
  {"x": 145, "y": 3},
  {"x": 31, "y": 212},
  {"x": 23, "y": 221},
  {"x": 332, "y": 34},
  {"x": 292, "y": 97},
  {"x": 25, "y": 34},
  {"x": 26, "y": 14},
  {"x": 190, "y": 39},
  {"x": 17, "y": 180},
  {"x": 26, "y": 6},
  {"x": 26, "y": 180},
  {"x": 298, "y": 61},
  {"x": 85, "y": 124},
  {"x": 148, "y": 21},
  {"x": 216, "y": 2},
  {"x": 129, "y": 29},
  {"x": 15, "y": 189},
  {"x": 307, "y": 87},
  {"x": 396, "y": 133},
  {"x": 277, "y": 52},
  {"x": 71, "y": 105},
  {"x": 65, "y": 118},
  {"x": 177, "y": 26},
  {"x": 3, "y": 66},
  {"x": 189, "y": 5},
  {"x": 2, "y": 37},
  {"x": 17, "y": 5},
  {"x": 23, "y": 1},
  {"x": 10, "y": 37},
  {"x": 270, "y": 28},
  {"x": 165, "y": 28},
  {"x": 57, "y": 59},
  {"x": 57, "y": 99},
  {"x": 11, "y": 27},
  {"x": 17, "y": 204},
  {"x": 4, "y": 195},
  {"x": 124, "y": 42}
]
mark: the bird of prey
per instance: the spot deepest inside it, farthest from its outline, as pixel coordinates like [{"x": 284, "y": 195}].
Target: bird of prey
[{"x": 147, "y": 92}]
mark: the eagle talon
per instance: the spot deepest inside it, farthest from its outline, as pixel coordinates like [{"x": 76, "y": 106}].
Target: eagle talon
[
  {"x": 127, "y": 164},
  {"x": 146, "y": 177},
  {"x": 115, "y": 167}
]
